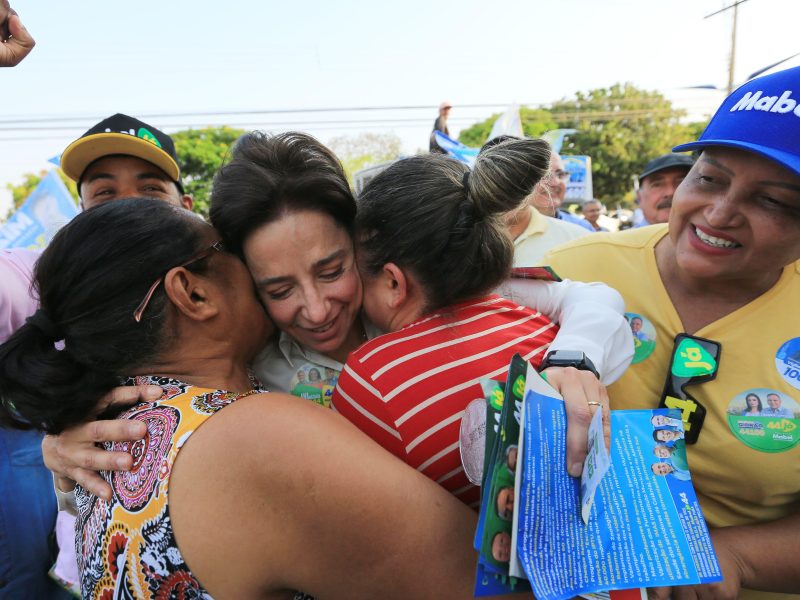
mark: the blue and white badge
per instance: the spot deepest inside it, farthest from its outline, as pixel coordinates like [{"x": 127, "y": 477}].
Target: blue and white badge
[{"x": 787, "y": 361}]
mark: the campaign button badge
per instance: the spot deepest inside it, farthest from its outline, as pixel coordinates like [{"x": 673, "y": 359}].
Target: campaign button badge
[
  {"x": 765, "y": 419},
  {"x": 787, "y": 361},
  {"x": 644, "y": 336}
]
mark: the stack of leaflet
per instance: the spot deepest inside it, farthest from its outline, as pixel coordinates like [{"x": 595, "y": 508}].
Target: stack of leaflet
[{"x": 631, "y": 522}]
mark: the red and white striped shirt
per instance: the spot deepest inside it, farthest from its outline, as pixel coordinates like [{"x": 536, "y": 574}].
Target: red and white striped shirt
[{"x": 408, "y": 389}]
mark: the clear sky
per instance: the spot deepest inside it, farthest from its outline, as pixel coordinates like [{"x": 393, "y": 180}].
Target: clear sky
[{"x": 156, "y": 59}]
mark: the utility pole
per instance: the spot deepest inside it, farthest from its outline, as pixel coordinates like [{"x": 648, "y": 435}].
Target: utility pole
[
  {"x": 732, "y": 55},
  {"x": 732, "y": 60}
]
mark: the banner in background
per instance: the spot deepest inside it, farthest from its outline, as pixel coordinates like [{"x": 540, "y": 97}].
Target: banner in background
[
  {"x": 509, "y": 123},
  {"x": 456, "y": 149},
  {"x": 47, "y": 209},
  {"x": 579, "y": 186}
]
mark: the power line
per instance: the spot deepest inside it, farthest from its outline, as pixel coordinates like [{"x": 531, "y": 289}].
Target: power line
[
  {"x": 265, "y": 111},
  {"x": 587, "y": 103},
  {"x": 576, "y": 115},
  {"x": 726, "y": 8},
  {"x": 242, "y": 123},
  {"x": 559, "y": 118}
]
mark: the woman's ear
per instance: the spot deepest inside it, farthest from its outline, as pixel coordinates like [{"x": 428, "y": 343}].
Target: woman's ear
[
  {"x": 191, "y": 294},
  {"x": 402, "y": 295},
  {"x": 395, "y": 284}
]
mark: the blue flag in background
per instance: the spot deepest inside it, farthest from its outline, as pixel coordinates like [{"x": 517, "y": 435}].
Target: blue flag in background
[
  {"x": 456, "y": 149},
  {"x": 47, "y": 209}
]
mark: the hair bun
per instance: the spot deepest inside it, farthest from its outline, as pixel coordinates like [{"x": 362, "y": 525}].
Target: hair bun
[
  {"x": 505, "y": 174},
  {"x": 466, "y": 215},
  {"x": 423, "y": 214},
  {"x": 41, "y": 321}
]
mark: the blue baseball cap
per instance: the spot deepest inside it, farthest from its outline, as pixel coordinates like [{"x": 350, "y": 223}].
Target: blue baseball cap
[{"x": 761, "y": 116}]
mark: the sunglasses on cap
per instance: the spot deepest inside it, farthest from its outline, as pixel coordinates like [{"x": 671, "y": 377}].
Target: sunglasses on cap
[{"x": 694, "y": 361}]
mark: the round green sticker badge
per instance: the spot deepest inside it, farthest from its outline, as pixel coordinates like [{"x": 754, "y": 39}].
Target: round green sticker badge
[
  {"x": 764, "y": 419},
  {"x": 644, "y": 336},
  {"x": 315, "y": 383}
]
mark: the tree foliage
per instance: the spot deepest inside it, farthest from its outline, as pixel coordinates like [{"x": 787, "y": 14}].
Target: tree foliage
[
  {"x": 201, "y": 152},
  {"x": 475, "y": 136},
  {"x": 535, "y": 121},
  {"x": 365, "y": 149},
  {"x": 621, "y": 127}
]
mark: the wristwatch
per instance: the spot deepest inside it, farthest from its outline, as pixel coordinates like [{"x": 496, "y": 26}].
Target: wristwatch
[{"x": 568, "y": 358}]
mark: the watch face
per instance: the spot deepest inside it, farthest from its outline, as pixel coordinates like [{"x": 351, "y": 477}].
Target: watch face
[{"x": 573, "y": 356}]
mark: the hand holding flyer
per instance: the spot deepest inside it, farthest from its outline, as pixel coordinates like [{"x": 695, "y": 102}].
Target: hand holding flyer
[
  {"x": 645, "y": 526},
  {"x": 633, "y": 521}
]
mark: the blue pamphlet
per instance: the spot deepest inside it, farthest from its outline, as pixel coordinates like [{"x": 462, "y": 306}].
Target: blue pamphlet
[{"x": 645, "y": 527}]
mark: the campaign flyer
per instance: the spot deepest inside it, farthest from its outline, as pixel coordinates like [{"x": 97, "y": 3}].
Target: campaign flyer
[
  {"x": 494, "y": 531},
  {"x": 495, "y": 550},
  {"x": 645, "y": 527}
]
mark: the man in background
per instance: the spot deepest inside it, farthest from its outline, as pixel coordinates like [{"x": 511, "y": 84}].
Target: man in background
[
  {"x": 533, "y": 233},
  {"x": 122, "y": 157},
  {"x": 657, "y": 184},
  {"x": 549, "y": 193},
  {"x": 591, "y": 210},
  {"x": 440, "y": 124}
]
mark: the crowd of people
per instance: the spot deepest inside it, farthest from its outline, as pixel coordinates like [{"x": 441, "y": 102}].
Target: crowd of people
[
  {"x": 281, "y": 205},
  {"x": 162, "y": 355}
]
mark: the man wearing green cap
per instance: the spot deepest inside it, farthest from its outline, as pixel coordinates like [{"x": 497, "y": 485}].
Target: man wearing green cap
[{"x": 122, "y": 157}]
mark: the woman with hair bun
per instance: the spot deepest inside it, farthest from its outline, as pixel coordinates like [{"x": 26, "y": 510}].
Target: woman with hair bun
[{"x": 431, "y": 247}]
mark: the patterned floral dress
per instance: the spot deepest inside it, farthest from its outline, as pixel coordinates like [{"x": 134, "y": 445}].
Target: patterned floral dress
[{"x": 126, "y": 547}]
